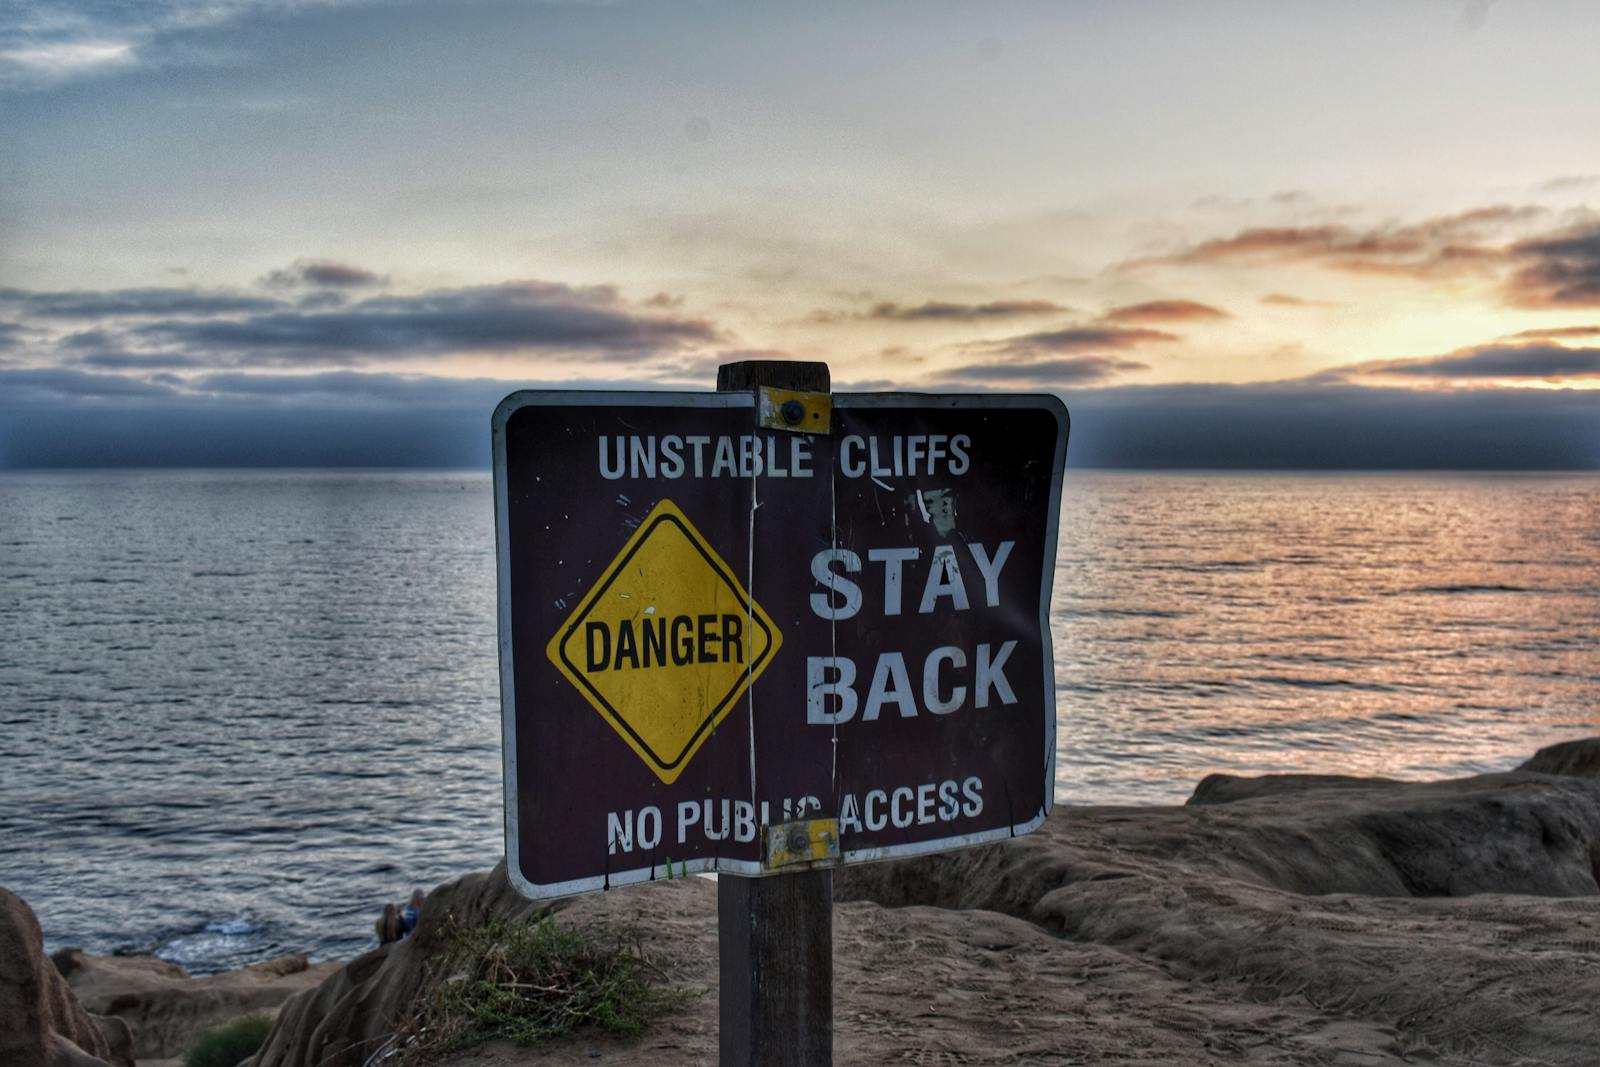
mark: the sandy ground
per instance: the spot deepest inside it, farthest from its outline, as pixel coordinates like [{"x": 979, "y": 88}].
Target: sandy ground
[
  {"x": 1278, "y": 921},
  {"x": 923, "y": 985}
]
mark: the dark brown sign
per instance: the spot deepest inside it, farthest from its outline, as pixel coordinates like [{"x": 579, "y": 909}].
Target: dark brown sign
[{"x": 732, "y": 648}]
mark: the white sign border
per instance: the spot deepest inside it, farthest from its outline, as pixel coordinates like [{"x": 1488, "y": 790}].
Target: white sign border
[{"x": 746, "y": 399}]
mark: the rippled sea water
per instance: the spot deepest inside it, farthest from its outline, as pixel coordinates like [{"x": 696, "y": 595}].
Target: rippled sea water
[{"x": 238, "y": 711}]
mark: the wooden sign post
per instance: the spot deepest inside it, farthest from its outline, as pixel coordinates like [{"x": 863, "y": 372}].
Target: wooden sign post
[
  {"x": 775, "y": 935},
  {"x": 765, "y": 632}
]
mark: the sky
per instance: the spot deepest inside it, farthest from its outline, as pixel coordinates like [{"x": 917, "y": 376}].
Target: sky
[{"x": 314, "y": 232}]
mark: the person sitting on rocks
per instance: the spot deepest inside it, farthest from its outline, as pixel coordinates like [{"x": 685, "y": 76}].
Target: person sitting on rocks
[
  {"x": 411, "y": 914},
  {"x": 390, "y": 925},
  {"x": 397, "y": 922}
]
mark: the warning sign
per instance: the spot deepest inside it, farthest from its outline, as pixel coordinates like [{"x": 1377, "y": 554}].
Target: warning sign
[
  {"x": 727, "y": 645},
  {"x": 666, "y": 642}
]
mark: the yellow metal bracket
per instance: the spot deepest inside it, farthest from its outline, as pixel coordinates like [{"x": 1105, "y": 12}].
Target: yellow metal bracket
[
  {"x": 797, "y": 412},
  {"x": 814, "y": 841}
]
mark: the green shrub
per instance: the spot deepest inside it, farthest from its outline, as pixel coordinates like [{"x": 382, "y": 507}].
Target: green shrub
[
  {"x": 226, "y": 1044},
  {"x": 532, "y": 981}
]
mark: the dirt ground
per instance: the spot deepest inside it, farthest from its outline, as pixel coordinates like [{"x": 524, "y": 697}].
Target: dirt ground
[
  {"x": 923, "y": 985},
  {"x": 928, "y": 986}
]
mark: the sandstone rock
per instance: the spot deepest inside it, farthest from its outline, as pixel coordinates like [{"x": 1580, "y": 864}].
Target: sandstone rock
[
  {"x": 1461, "y": 916},
  {"x": 1287, "y": 920},
  {"x": 119, "y": 1036},
  {"x": 1496, "y": 833},
  {"x": 1579, "y": 758},
  {"x": 166, "y": 1008},
  {"x": 363, "y": 1004},
  {"x": 1227, "y": 788},
  {"x": 41, "y": 1022}
]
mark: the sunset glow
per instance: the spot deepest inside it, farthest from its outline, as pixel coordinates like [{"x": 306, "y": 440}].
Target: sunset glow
[{"x": 213, "y": 206}]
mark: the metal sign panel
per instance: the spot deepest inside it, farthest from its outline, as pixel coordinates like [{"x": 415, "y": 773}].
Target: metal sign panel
[{"x": 726, "y": 646}]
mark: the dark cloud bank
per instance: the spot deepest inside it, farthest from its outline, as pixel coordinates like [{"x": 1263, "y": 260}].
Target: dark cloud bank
[
  {"x": 495, "y": 318},
  {"x": 1334, "y": 427},
  {"x": 1548, "y": 362},
  {"x": 73, "y": 418},
  {"x": 187, "y": 328},
  {"x": 161, "y": 377}
]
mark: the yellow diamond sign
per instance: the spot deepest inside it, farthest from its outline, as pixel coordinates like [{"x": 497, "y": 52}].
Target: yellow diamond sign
[{"x": 666, "y": 642}]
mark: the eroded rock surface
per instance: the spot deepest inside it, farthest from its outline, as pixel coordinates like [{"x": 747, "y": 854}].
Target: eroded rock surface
[
  {"x": 41, "y": 1022},
  {"x": 366, "y": 1002},
  {"x": 1580, "y": 758},
  {"x": 1280, "y": 920},
  {"x": 165, "y": 1008},
  {"x": 1462, "y": 916}
]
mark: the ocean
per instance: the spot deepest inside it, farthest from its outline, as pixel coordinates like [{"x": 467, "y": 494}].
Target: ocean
[{"x": 241, "y": 710}]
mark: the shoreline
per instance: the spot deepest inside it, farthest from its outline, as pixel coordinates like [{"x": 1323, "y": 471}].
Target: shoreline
[{"x": 203, "y": 968}]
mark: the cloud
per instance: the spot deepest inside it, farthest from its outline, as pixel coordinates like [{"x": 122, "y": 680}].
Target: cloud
[
  {"x": 1541, "y": 362},
  {"x": 354, "y": 387},
  {"x": 133, "y": 303},
  {"x": 49, "y": 42},
  {"x": 1076, "y": 355},
  {"x": 1285, "y": 300},
  {"x": 58, "y": 60},
  {"x": 25, "y": 383},
  {"x": 506, "y": 318},
  {"x": 1292, "y": 198},
  {"x": 1445, "y": 245},
  {"x": 1306, "y": 425},
  {"x": 1561, "y": 270},
  {"x": 1164, "y": 311},
  {"x": 943, "y": 311},
  {"x": 1273, "y": 243},
  {"x": 1079, "y": 339},
  {"x": 319, "y": 326},
  {"x": 1080, "y": 370},
  {"x": 938, "y": 311},
  {"x": 1555, "y": 269},
  {"x": 1571, "y": 183},
  {"x": 1555, "y": 333},
  {"x": 69, "y": 418},
  {"x": 321, "y": 274},
  {"x": 117, "y": 359}
]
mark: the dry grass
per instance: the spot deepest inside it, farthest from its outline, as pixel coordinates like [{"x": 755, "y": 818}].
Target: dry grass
[{"x": 533, "y": 982}]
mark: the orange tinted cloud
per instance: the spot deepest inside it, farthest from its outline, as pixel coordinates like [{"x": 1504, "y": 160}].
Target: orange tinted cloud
[
  {"x": 1285, "y": 300},
  {"x": 1164, "y": 311},
  {"x": 1555, "y": 333},
  {"x": 1441, "y": 246}
]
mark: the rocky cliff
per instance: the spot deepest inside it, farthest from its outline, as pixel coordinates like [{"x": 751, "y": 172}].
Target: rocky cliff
[
  {"x": 1282, "y": 920},
  {"x": 1288, "y": 919}
]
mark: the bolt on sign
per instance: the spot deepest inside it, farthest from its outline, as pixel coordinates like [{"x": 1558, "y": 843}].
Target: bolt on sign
[{"x": 758, "y": 632}]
